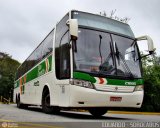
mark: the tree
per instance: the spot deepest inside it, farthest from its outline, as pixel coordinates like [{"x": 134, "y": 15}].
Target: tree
[
  {"x": 113, "y": 16},
  {"x": 151, "y": 76},
  {"x": 8, "y": 68}
]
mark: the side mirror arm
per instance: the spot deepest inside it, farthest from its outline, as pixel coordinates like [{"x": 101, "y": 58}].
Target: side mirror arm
[{"x": 151, "y": 48}]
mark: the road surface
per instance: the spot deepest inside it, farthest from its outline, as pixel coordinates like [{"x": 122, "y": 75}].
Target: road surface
[{"x": 34, "y": 117}]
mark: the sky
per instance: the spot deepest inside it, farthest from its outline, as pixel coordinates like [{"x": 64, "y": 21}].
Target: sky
[{"x": 25, "y": 23}]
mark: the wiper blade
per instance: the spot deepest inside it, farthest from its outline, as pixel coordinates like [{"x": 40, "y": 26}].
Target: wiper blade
[
  {"x": 100, "y": 41},
  {"x": 133, "y": 43},
  {"x": 111, "y": 55},
  {"x": 119, "y": 55}
]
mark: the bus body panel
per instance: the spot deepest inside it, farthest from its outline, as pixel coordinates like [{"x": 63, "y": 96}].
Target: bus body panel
[{"x": 33, "y": 89}]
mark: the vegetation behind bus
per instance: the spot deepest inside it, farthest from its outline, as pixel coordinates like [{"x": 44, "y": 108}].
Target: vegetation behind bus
[
  {"x": 8, "y": 67},
  {"x": 151, "y": 76}
]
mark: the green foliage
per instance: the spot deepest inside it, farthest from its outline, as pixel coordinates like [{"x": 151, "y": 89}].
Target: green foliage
[
  {"x": 151, "y": 76},
  {"x": 8, "y": 68}
]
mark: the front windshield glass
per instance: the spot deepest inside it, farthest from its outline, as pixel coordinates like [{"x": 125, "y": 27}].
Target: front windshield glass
[{"x": 101, "y": 53}]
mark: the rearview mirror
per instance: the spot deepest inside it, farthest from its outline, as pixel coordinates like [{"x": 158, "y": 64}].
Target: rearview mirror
[
  {"x": 73, "y": 28},
  {"x": 151, "y": 48}
]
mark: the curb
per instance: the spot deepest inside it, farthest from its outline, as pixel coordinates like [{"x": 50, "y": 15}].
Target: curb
[{"x": 134, "y": 113}]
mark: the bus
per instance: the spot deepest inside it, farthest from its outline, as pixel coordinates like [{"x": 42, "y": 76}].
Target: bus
[{"x": 87, "y": 61}]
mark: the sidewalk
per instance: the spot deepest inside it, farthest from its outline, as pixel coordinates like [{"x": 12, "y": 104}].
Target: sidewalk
[{"x": 136, "y": 113}]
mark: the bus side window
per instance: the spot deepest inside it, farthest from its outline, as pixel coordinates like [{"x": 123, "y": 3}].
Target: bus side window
[
  {"x": 48, "y": 45},
  {"x": 64, "y": 58}
]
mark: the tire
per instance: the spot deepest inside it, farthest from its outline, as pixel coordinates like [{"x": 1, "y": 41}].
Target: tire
[
  {"x": 19, "y": 104},
  {"x": 97, "y": 112},
  {"x": 46, "y": 102}
]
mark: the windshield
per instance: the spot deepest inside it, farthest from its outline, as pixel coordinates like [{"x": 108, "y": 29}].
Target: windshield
[{"x": 106, "y": 54}]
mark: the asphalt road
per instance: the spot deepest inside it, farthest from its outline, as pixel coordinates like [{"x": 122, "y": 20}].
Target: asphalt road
[{"x": 34, "y": 117}]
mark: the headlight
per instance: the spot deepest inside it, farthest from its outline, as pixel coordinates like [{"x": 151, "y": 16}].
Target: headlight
[
  {"x": 81, "y": 83},
  {"x": 139, "y": 88}
]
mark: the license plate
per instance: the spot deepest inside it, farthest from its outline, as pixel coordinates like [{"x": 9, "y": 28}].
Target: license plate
[{"x": 116, "y": 99}]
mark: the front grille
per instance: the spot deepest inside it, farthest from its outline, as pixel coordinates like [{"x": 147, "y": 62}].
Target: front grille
[{"x": 114, "y": 88}]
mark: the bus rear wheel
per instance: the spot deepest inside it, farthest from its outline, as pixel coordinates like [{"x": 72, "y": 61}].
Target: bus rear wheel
[
  {"x": 19, "y": 104},
  {"x": 98, "y": 111}
]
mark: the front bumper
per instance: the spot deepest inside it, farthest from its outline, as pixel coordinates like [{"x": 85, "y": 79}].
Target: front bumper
[{"x": 84, "y": 97}]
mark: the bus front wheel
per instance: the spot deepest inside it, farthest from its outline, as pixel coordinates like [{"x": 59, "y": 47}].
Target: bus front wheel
[
  {"x": 98, "y": 111},
  {"x": 46, "y": 102}
]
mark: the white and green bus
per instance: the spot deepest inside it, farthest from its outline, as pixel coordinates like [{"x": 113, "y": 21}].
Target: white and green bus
[{"x": 87, "y": 61}]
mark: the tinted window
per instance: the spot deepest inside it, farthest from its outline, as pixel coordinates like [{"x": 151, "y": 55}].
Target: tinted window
[
  {"x": 93, "y": 50},
  {"x": 128, "y": 58},
  {"x": 38, "y": 53},
  {"x": 44, "y": 49},
  {"x": 106, "y": 55},
  {"x": 60, "y": 46},
  {"x": 61, "y": 28},
  {"x": 65, "y": 58},
  {"x": 48, "y": 45}
]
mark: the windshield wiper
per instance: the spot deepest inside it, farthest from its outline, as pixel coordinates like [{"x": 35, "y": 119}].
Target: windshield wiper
[
  {"x": 133, "y": 43},
  {"x": 100, "y": 41},
  {"x": 111, "y": 55},
  {"x": 119, "y": 55}
]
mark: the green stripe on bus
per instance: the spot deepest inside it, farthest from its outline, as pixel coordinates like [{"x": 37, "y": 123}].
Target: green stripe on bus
[
  {"x": 84, "y": 76},
  {"x": 39, "y": 70},
  {"x": 87, "y": 77}
]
